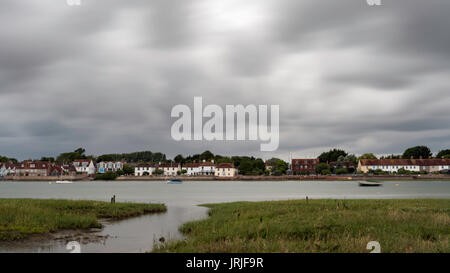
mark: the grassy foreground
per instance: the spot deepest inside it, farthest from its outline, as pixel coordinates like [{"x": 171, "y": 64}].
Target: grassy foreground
[
  {"x": 319, "y": 226},
  {"x": 22, "y": 217}
]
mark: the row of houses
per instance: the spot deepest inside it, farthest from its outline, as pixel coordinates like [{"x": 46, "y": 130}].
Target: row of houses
[
  {"x": 385, "y": 165},
  {"x": 190, "y": 169},
  {"x": 35, "y": 168},
  {"x": 413, "y": 165},
  {"x": 88, "y": 167},
  {"x": 44, "y": 168}
]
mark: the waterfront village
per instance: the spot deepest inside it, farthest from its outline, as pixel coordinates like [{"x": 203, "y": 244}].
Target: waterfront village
[{"x": 415, "y": 161}]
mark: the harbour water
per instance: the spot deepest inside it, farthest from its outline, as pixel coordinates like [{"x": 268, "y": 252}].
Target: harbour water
[{"x": 182, "y": 200}]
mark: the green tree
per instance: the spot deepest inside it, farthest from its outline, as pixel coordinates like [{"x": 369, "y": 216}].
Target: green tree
[
  {"x": 280, "y": 168},
  {"x": 322, "y": 167},
  {"x": 48, "y": 159},
  {"x": 444, "y": 154},
  {"x": 342, "y": 171},
  {"x": 368, "y": 156},
  {"x": 80, "y": 151},
  {"x": 179, "y": 159},
  {"x": 207, "y": 155},
  {"x": 351, "y": 158},
  {"x": 128, "y": 170},
  {"x": 417, "y": 152},
  {"x": 245, "y": 168},
  {"x": 332, "y": 155},
  {"x": 7, "y": 159},
  {"x": 71, "y": 156}
]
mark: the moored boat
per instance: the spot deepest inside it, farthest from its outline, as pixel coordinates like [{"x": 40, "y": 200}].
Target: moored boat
[
  {"x": 63, "y": 182},
  {"x": 174, "y": 181},
  {"x": 370, "y": 183}
]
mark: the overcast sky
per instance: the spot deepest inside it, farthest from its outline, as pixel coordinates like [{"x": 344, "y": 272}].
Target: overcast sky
[{"x": 105, "y": 75}]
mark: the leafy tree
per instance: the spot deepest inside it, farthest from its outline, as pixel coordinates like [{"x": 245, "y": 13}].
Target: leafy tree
[
  {"x": 207, "y": 155},
  {"x": 71, "y": 156},
  {"x": 183, "y": 171},
  {"x": 273, "y": 161},
  {"x": 443, "y": 153},
  {"x": 322, "y": 167},
  {"x": 7, "y": 159},
  {"x": 368, "y": 156},
  {"x": 332, "y": 155},
  {"x": 128, "y": 170},
  {"x": 222, "y": 159},
  {"x": 417, "y": 152},
  {"x": 48, "y": 159},
  {"x": 179, "y": 159},
  {"x": 245, "y": 168},
  {"x": 159, "y": 172},
  {"x": 80, "y": 151},
  {"x": 280, "y": 168},
  {"x": 341, "y": 171},
  {"x": 144, "y": 156},
  {"x": 392, "y": 156}
]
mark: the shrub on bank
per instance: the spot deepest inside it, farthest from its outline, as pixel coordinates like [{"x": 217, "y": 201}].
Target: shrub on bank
[{"x": 106, "y": 176}]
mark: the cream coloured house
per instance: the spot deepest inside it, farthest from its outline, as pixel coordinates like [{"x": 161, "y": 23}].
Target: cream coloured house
[{"x": 225, "y": 170}]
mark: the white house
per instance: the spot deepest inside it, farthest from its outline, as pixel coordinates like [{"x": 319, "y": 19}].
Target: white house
[
  {"x": 109, "y": 166},
  {"x": 144, "y": 169},
  {"x": 225, "y": 170},
  {"x": 192, "y": 169},
  {"x": 7, "y": 169},
  {"x": 170, "y": 169},
  {"x": 85, "y": 166},
  {"x": 394, "y": 165},
  {"x": 207, "y": 168}
]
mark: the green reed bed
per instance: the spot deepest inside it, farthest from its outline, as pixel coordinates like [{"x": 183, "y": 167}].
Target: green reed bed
[
  {"x": 22, "y": 217},
  {"x": 319, "y": 226}
]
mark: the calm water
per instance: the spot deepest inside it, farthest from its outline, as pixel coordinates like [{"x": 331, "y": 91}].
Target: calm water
[{"x": 138, "y": 234}]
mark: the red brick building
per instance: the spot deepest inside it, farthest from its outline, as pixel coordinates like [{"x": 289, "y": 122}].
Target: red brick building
[{"x": 304, "y": 165}]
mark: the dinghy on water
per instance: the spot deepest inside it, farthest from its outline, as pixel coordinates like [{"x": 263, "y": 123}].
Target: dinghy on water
[
  {"x": 369, "y": 183},
  {"x": 63, "y": 182},
  {"x": 174, "y": 181}
]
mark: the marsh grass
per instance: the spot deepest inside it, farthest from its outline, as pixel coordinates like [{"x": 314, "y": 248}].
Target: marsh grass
[
  {"x": 319, "y": 226},
  {"x": 21, "y": 217}
]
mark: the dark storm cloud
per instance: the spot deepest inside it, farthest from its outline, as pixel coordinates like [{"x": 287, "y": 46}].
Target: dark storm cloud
[{"x": 105, "y": 75}]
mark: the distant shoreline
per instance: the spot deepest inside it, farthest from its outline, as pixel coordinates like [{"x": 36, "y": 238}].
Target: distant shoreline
[{"x": 236, "y": 178}]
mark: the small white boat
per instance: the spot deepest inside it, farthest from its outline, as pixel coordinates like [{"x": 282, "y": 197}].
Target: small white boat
[
  {"x": 370, "y": 183},
  {"x": 63, "y": 182}
]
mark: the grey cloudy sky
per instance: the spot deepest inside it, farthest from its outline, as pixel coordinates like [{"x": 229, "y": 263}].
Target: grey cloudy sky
[{"x": 105, "y": 75}]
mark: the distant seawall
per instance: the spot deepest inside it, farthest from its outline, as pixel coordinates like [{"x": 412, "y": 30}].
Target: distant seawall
[
  {"x": 46, "y": 178},
  {"x": 235, "y": 178}
]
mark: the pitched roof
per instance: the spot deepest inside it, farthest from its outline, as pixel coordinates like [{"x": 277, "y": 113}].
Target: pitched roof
[
  {"x": 191, "y": 165},
  {"x": 82, "y": 160},
  {"x": 147, "y": 165},
  {"x": 168, "y": 165},
  {"x": 35, "y": 165},
  {"x": 225, "y": 165},
  {"x": 405, "y": 162}
]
